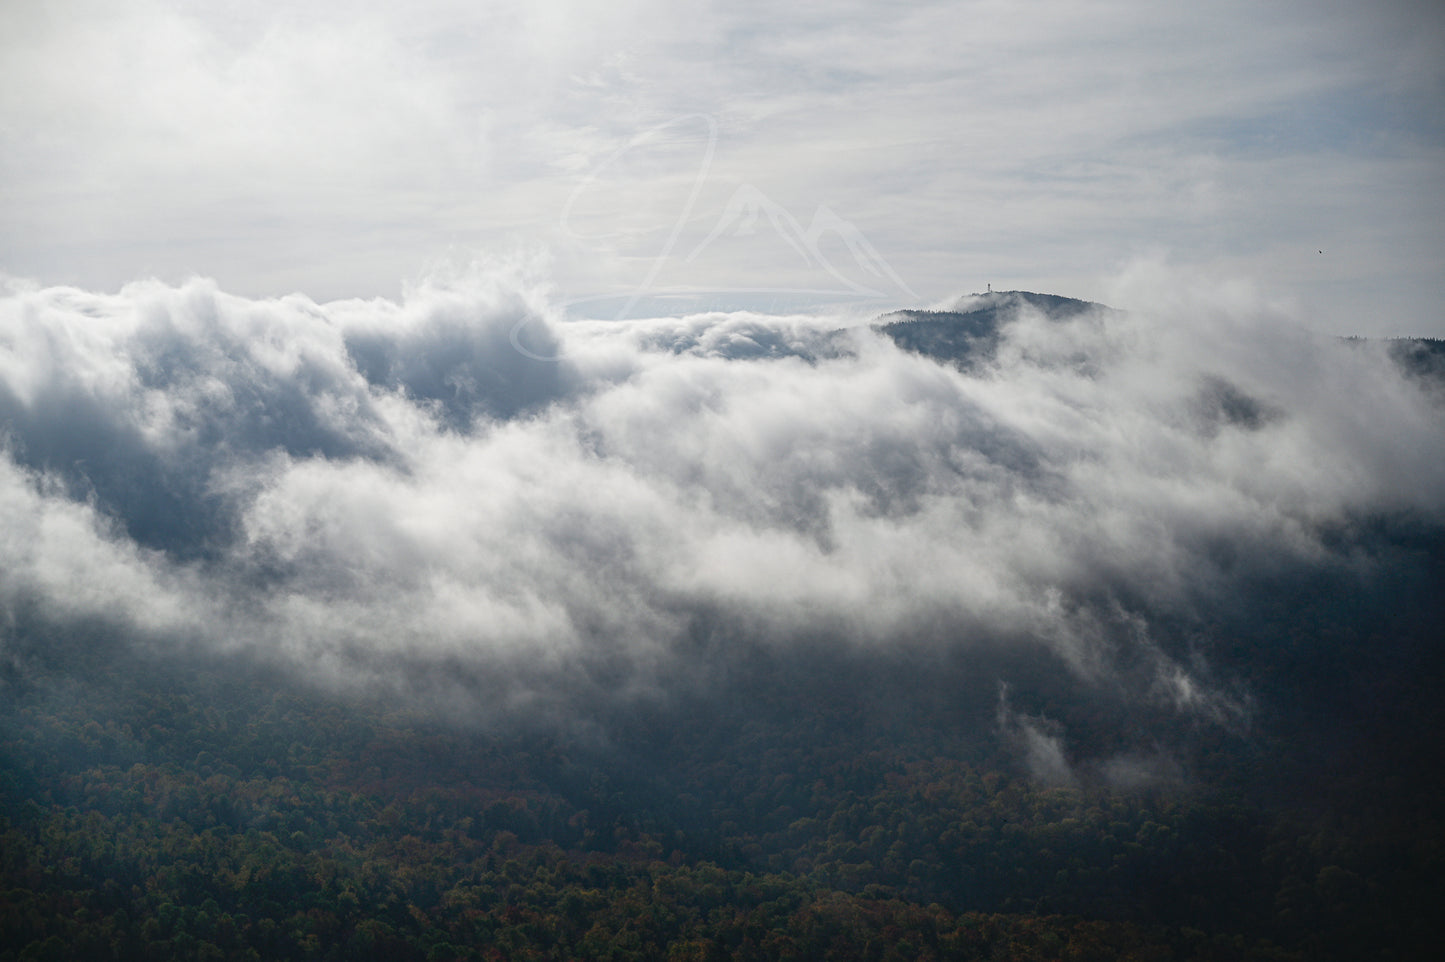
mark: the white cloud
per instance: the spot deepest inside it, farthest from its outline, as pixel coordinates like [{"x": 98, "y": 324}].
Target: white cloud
[
  {"x": 68, "y": 558},
  {"x": 366, "y": 489}
]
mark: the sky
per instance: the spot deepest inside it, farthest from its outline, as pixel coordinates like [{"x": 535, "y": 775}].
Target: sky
[{"x": 659, "y": 158}]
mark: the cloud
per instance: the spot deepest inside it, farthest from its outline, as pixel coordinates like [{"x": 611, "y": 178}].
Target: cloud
[
  {"x": 386, "y": 495},
  {"x": 336, "y": 149},
  {"x": 1038, "y": 742}
]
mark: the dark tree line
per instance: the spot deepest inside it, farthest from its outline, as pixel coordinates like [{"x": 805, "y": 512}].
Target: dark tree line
[{"x": 196, "y": 819}]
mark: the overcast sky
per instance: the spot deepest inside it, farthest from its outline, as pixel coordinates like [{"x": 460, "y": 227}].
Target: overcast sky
[{"x": 891, "y": 154}]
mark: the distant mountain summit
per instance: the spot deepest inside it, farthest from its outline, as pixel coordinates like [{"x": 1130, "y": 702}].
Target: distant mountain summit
[
  {"x": 1054, "y": 305},
  {"x": 969, "y": 332}
]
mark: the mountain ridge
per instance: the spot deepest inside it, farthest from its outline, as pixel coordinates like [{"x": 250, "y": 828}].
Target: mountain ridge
[{"x": 969, "y": 332}]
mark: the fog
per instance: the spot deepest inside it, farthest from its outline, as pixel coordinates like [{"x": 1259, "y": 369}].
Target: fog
[{"x": 392, "y": 498}]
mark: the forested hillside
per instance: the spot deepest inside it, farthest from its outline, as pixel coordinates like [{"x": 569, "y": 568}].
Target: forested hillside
[{"x": 197, "y": 816}]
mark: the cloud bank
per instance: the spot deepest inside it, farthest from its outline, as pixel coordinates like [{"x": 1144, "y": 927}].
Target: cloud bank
[{"x": 390, "y": 497}]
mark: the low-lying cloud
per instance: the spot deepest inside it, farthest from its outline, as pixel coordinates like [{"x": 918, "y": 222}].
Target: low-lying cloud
[{"x": 390, "y": 496}]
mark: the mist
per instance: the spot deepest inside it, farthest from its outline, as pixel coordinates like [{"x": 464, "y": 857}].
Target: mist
[{"x": 390, "y": 498}]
